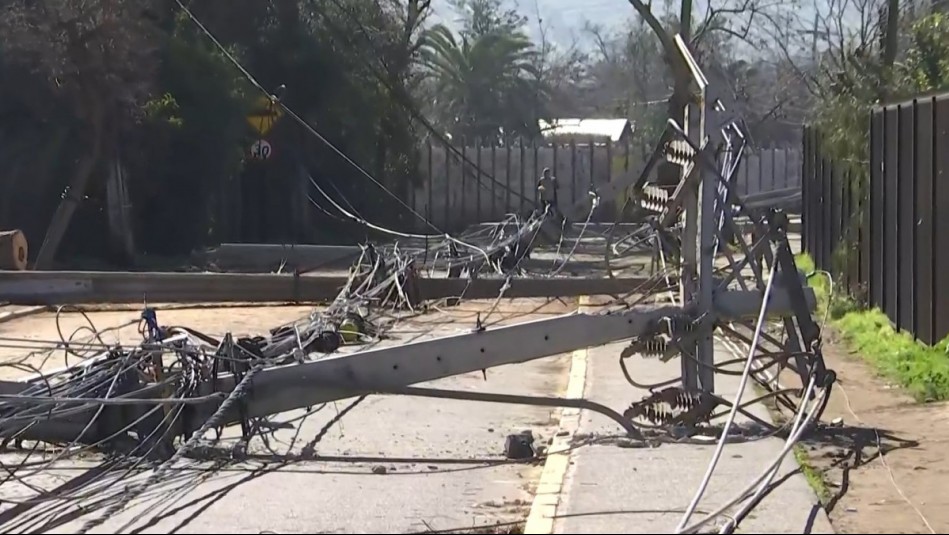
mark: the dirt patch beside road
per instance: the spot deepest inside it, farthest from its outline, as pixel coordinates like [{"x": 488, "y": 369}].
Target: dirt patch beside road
[{"x": 899, "y": 491}]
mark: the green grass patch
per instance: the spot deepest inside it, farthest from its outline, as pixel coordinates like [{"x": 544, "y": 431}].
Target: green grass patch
[
  {"x": 920, "y": 369},
  {"x": 814, "y": 477}
]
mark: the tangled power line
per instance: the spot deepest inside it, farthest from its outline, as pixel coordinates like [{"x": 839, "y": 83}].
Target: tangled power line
[{"x": 151, "y": 407}]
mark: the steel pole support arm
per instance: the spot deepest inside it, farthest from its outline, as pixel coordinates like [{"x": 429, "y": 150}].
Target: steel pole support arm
[
  {"x": 295, "y": 386},
  {"x": 285, "y": 388}
]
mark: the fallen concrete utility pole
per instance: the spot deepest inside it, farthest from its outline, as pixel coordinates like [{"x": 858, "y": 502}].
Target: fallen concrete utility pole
[
  {"x": 388, "y": 369},
  {"x": 76, "y": 287},
  {"x": 291, "y": 256}
]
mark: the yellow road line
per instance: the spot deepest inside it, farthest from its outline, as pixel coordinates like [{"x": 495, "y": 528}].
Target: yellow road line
[{"x": 547, "y": 498}]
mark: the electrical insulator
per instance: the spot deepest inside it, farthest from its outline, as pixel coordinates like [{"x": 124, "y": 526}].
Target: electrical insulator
[
  {"x": 667, "y": 405},
  {"x": 654, "y": 346}
]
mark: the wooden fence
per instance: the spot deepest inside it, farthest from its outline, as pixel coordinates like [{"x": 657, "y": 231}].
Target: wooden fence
[{"x": 452, "y": 195}]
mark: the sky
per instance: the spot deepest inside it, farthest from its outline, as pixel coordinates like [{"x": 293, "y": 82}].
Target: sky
[{"x": 564, "y": 19}]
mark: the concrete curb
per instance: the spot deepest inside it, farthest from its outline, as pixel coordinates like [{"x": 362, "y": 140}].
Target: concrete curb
[
  {"x": 22, "y": 313},
  {"x": 543, "y": 510}
]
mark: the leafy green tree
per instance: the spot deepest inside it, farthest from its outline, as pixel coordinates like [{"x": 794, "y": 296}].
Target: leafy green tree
[
  {"x": 87, "y": 83},
  {"x": 195, "y": 127},
  {"x": 485, "y": 17},
  {"x": 98, "y": 58},
  {"x": 485, "y": 78},
  {"x": 888, "y": 58},
  {"x": 926, "y": 67}
]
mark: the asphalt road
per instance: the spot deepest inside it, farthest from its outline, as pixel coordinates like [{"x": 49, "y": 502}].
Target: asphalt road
[
  {"x": 443, "y": 461},
  {"x": 614, "y": 489}
]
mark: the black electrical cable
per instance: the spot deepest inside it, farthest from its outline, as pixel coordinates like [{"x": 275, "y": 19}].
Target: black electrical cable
[
  {"x": 482, "y": 252},
  {"x": 86, "y": 380},
  {"x": 240, "y": 390}
]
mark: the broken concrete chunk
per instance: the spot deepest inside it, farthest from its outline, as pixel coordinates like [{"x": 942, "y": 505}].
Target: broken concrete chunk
[{"x": 519, "y": 446}]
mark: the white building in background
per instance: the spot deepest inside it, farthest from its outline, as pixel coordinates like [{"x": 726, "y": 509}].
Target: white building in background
[{"x": 586, "y": 130}]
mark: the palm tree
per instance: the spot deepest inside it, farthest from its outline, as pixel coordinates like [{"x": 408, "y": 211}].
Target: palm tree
[{"x": 486, "y": 84}]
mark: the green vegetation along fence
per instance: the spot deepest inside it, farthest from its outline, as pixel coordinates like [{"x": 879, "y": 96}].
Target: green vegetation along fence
[{"x": 884, "y": 231}]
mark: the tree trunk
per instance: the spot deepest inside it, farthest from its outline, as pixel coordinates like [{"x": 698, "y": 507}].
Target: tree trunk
[
  {"x": 890, "y": 45},
  {"x": 119, "y": 211},
  {"x": 77, "y": 188},
  {"x": 13, "y": 250}
]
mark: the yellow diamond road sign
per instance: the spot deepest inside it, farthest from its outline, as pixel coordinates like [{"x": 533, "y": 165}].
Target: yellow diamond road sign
[{"x": 264, "y": 115}]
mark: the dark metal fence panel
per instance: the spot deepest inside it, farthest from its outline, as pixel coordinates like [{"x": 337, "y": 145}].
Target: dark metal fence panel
[
  {"x": 887, "y": 215},
  {"x": 811, "y": 192},
  {"x": 834, "y": 178},
  {"x": 841, "y": 220},
  {"x": 806, "y": 187},
  {"x": 890, "y": 213},
  {"x": 941, "y": 219},
  {"x": 851, "y": 227},
  {"x": 876, "y": 209},
  {"x": 906, "y": 218},
  {"x": 827, "y": 247},
  {"x": 862, "y": 196},
  {"x": 924, "y": 227}
]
